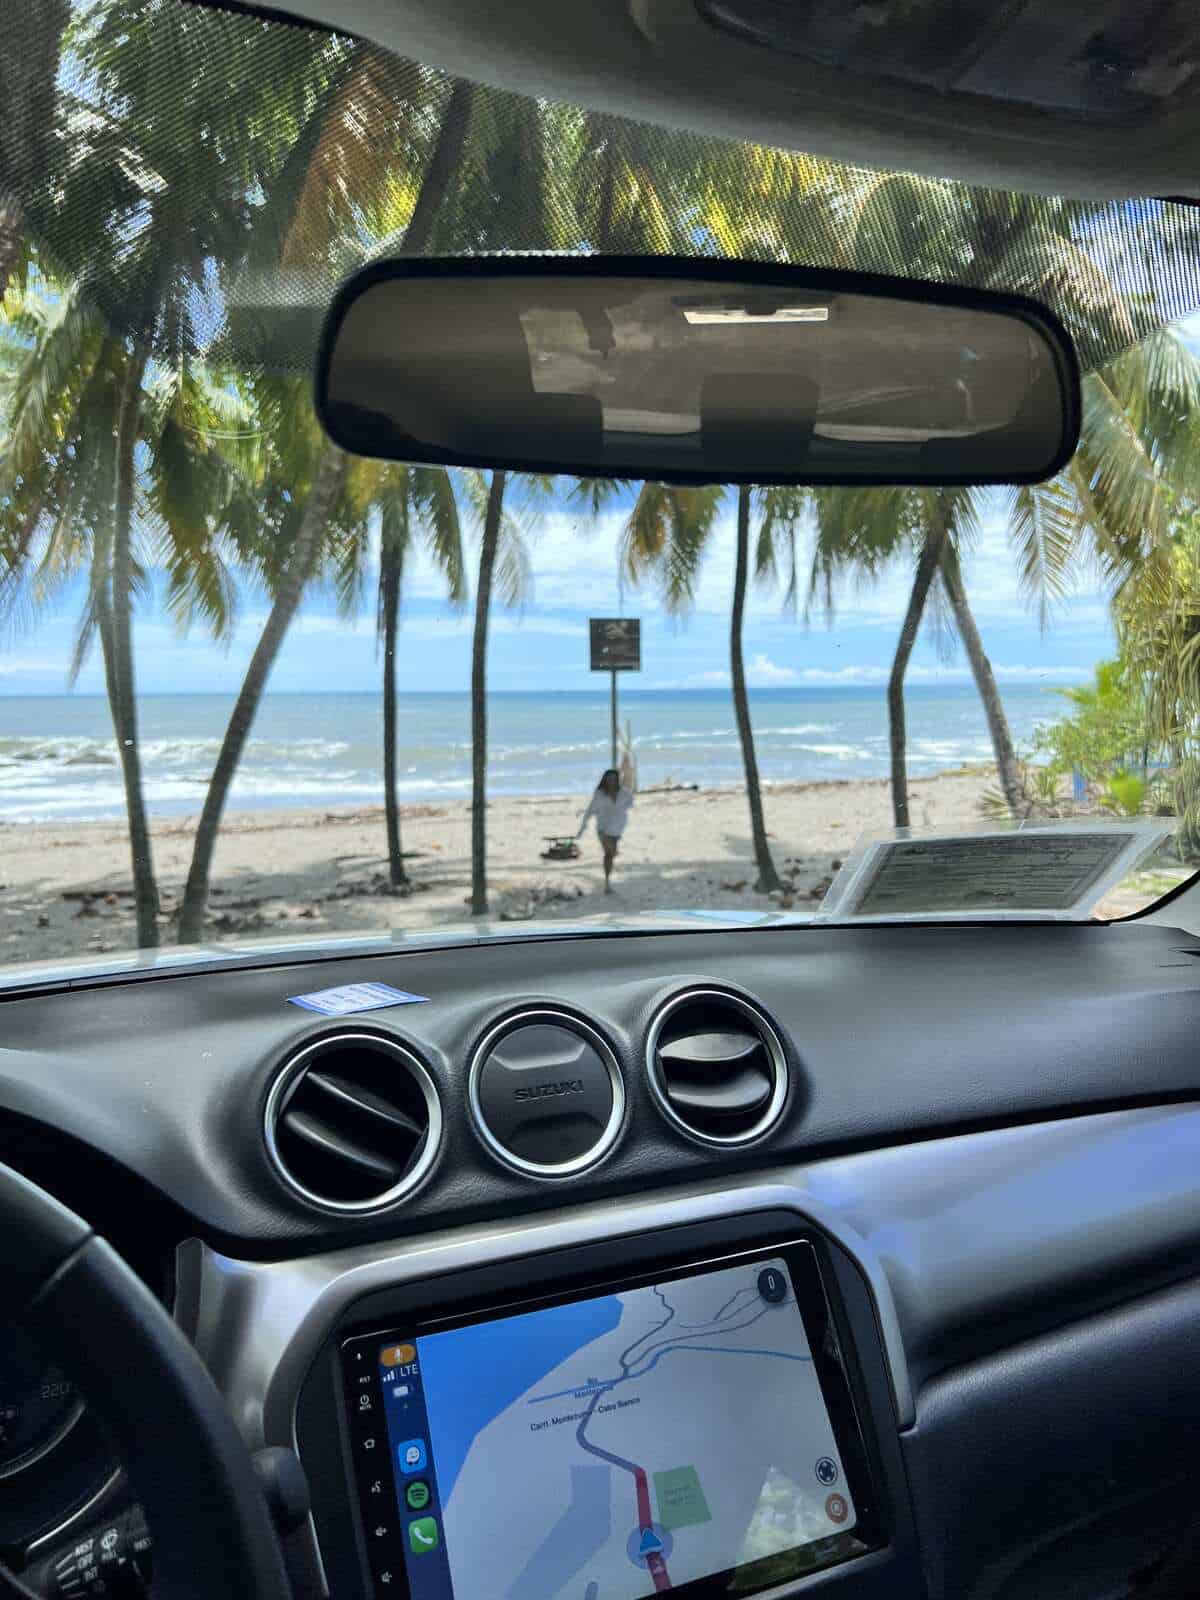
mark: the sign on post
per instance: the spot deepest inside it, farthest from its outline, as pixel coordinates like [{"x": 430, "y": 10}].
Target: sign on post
[
  {"x": 616, "y": 647},
  {"x": 616, "y": 644}
]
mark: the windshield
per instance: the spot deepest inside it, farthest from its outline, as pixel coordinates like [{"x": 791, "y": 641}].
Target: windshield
[{"x": 254, "y": 689}]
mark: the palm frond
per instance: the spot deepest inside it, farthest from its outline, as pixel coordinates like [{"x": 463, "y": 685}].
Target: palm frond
[
  {"x": 781, "y": 511},
  {"x": 514, "y": 569},
  {"x": 1115, "y": 477},
  {"x": 433, "y": 496},
  {"x": 666, "y": 534},
  {"x": 1043, "y": 527},
  {"x": 596, "y": 494}
]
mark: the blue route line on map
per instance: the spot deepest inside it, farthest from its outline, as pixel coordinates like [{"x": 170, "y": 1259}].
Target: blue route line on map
[{"x": 605, "y": 1384}]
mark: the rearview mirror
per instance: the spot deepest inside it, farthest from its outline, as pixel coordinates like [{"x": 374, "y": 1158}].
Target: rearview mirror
[{"x": 695, "y": 372}]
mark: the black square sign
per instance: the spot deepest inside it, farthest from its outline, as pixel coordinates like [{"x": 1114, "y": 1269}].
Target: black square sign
[{"x": 616, "y": 644}]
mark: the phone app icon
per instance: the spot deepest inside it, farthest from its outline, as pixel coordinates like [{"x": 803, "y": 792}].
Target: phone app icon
[
  {"x": 411, "y": 1455},
  {"x": 423, "y": 1536},
  {"x": 417, "y": 1494}
]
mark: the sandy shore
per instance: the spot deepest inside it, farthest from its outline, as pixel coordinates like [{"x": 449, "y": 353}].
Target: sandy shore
[{"x": 65, "y": 886}]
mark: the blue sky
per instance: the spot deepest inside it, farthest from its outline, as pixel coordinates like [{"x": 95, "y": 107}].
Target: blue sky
[{"x": 544, "y": 646}]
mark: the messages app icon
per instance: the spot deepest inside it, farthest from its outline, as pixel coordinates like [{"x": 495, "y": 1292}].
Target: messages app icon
[{"x": 411, "y": 1455}]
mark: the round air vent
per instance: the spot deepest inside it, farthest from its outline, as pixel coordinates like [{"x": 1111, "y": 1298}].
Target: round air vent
[
  {"x": 353, "y": 1122},
  {"x": 716, "y": 1067},
  {"x": 546, "y": 1094}
]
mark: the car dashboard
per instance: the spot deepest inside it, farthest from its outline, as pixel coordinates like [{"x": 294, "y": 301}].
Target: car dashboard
[{"x": 953, "y": 1169}]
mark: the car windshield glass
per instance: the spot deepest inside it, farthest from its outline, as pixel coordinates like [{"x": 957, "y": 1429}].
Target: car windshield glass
[{"x": 254, "y": 690}]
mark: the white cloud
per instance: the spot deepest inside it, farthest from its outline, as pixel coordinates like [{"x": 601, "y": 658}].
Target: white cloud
[
  {"x": 448, "y": 625},
  {"x": 1016, "y": 673},
  {"x": 1053, "y": 674},
  {"x": 519, "y": 622},
  {"x": 764, "y": 672},
  {"x": 761, "y": 673},
  {"x": 850, "y": 675},
  {"x": 23, "y": 666}
]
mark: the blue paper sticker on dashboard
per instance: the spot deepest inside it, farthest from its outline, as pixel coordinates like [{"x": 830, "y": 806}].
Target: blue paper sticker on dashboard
[{"x": 351, "y": 997}]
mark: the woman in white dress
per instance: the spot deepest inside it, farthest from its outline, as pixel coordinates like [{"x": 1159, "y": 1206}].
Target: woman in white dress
[{"x": 610, "y": 806}]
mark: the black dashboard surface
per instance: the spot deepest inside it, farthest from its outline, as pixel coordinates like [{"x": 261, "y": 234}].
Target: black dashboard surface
[
  {"x": 894, "y": 1034},
  {"x": 997, "y": 1125}
]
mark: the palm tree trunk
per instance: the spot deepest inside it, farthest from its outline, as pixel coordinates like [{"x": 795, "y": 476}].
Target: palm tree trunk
[
  {"x": 117, "y": 643},
  {"x": 768, "y": 878},
  {"x": 985, "y": 682},
  {"x": 608, "y": 185},
  {"x": 927, "y": 565},
  {"x": 483, "y": 602},
  {"x": 390, "y": 574},
  {"x": 301, "y": 565},
  {"x": 442, "y": 165},
  {"x": 441, "y": 168}
]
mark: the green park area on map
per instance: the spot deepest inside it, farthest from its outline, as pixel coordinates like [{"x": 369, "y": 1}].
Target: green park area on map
[{"x": 681, "y": 1502}]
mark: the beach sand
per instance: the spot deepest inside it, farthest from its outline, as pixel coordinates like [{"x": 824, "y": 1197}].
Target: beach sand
[{"x": 65, "y": 887}]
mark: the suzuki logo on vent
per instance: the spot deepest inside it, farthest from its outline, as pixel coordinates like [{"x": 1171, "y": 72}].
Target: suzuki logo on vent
[{"x": 540, "y": 1091}]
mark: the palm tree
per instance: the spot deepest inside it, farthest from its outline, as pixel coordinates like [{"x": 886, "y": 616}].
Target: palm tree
[
  {"x": 865, "y": 529},
  {"x": 67, "y": 493},
  {"x": 83, "y": 403},
  {"x": 1112, "y": 503},
  {"x": 1157, "y": 614},
  {"x": 342, "y": 171},
  {"x": 114, "y": 603},
  {"x": 768, "y": 878},
  {"x": 28, "y": 71},
  {"x": 429, "y": 493},
  {"x": 780, "y": 512},
  {"x": 634, "y": 188},
  {"x": 127, "y": 163},
  {"x": 503, "y": 561},
  {"x": 134, "y": 291},
  {"x": 1138, "y": 429},
  {"x": 308, "y": 518},
  {"x": 493, "y": 515},
  {"x": 409, "y": 503}
]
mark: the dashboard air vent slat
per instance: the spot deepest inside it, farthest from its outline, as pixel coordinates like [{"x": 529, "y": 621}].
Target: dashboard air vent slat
[
  {"x": 353, "y": 1122},
  {"x": 716, "y": 1067},
  {"x": 329, "y": 1143},
  {"x": 354, "y": 1097}
]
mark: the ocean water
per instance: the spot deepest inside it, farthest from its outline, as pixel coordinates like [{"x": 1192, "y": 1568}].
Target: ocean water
[{"x": 58, "y": 759}]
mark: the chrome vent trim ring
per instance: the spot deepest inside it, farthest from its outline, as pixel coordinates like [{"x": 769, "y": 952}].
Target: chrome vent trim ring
[
  {"x": 292, "y": 1074},
  {"x": 766, "y": 1030}
]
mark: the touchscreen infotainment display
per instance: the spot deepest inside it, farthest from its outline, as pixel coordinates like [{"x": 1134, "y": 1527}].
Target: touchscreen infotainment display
[{"x": 608, "y": 1447}]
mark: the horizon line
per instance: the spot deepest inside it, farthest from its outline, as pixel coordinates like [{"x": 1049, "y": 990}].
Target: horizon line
[{"x": 673, "y": 689}]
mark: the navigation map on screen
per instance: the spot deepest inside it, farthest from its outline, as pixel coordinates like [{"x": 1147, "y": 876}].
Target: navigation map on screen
[{"x": 614, "y": 1447}]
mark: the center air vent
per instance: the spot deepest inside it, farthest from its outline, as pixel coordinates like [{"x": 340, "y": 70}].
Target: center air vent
[
  {"x": 353, "y": 1122},
  {"x": 546, "y": 1094},
  {"x": 716, "y": 1067}
]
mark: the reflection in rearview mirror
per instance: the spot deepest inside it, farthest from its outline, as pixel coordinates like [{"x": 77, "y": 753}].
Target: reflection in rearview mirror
[{"x": 692, "y": 371}]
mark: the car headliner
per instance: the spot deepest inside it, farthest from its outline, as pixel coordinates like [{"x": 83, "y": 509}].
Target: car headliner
[{"x": 661, "y": 61}]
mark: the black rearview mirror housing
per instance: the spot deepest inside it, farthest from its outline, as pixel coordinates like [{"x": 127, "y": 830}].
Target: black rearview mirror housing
[{"x": 695, "y": 371}]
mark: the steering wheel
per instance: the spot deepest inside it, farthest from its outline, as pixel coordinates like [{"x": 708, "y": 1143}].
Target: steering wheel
[{"x": 212, "y": 1532}]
